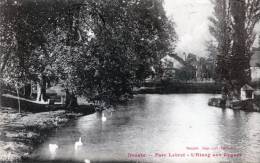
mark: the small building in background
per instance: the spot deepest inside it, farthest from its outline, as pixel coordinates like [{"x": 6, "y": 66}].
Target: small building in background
[
  {"x": 170, "y": 66},
  {"x": 246, "y": 92}
]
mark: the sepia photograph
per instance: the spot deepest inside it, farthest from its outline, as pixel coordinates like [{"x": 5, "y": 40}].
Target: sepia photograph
[{"x": 129, "y": 81}]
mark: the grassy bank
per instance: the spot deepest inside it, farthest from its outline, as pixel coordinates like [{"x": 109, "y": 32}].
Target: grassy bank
[{"x": 21, "y": 133}]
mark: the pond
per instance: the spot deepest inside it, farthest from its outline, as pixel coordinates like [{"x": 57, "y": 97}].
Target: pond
[{"x": 159, "y": 128}]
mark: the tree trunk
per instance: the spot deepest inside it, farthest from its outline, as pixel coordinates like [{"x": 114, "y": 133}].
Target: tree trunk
[
  {"x": 41, "y": 88},
  {"x": 239, "y": 59},
  {"x": 19, "y": 103},
  {"x": 27, "y": 90},
  {"x": 44, "y": 84},
  {"x": 38, "y": 92}
]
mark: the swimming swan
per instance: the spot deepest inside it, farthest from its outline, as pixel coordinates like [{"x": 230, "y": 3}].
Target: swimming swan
[
  {"x": 103, "y": 118},
  {"x": 78, "y": 144},
  {"x": 53, "y": 147}
]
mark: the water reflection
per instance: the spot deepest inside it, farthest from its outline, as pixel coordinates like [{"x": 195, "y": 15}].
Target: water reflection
[{"x": 160, "y": 124}]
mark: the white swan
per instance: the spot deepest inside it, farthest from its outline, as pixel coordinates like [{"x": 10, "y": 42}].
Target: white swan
[
  {"x": 78, "y": 144},
  {"x": 103, "y": 117},
  {"x": 86, "y": 161},
  {"x": 53, "y": 148}
]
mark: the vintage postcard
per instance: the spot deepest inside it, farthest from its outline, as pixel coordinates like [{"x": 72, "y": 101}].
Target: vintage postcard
[{"x": 151, "y": 81}]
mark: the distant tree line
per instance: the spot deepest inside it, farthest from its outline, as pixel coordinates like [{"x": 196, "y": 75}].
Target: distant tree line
[{"x": 100, "y": 49}]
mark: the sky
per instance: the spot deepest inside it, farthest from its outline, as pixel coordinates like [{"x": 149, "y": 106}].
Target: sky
[{"x": 191, "y": 19}]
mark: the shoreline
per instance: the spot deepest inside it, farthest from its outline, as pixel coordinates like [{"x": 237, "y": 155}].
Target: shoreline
[
  {"x": 21, "y": 133},
  {"x": 179, "y": 87},
  {"x": 252, "y": 105}
]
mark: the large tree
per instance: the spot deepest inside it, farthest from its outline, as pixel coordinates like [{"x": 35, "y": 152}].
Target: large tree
[
  {"x": 233, "y": 26},
  {"x": 24, "y": 28},
  {"x": 129, "y": 38},
  {"x": 100, "y": 49},
  {"x": 27, "y": 31},
  {"x": 220, "y": 29}
]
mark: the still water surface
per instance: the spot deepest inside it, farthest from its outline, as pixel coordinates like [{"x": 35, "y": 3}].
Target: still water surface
[{"x": 160, "y": 124}]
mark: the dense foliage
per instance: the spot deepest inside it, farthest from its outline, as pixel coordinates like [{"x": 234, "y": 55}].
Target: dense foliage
[{"x": 99, "y": 49}]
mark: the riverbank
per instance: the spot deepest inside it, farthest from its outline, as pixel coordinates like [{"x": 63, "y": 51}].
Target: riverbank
[
  {"x": 20, "y": 133},
  {"x": 250, "y": 105},
  {"x": 167, "y": 87},
  {"x": 247, "y": 105}
]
